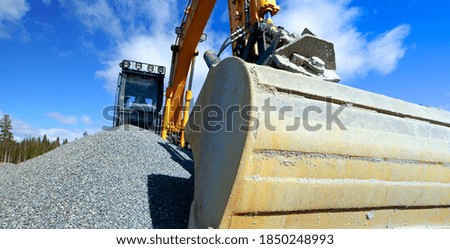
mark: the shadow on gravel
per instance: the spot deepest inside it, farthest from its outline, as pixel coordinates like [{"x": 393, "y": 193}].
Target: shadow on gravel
[
  {"x": 170, "y": 197},
  {"x": 176, "y": 156},
  {"x": 170, "y": 200}
]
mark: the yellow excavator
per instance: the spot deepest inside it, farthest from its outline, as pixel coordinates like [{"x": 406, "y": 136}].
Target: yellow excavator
[{"x": 278, "y": 143}]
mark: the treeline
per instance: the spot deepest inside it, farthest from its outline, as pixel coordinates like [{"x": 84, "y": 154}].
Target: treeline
[
  {"x": 12, "y": 151},
  {"x": 15, "y": 152}
]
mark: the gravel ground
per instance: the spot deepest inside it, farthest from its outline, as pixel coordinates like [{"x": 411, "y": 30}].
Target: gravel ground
[{"x": 127, "y": 178}]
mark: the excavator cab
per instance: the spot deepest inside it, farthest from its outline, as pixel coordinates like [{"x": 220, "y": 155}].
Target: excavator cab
[{"x": 139, "y": 95}]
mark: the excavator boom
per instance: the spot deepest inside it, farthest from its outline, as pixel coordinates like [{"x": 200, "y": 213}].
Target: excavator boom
[{"x": 196, "y": 16}]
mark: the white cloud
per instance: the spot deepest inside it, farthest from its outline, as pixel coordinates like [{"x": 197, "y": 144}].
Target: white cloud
[
  {"x": 385, "y": 51},
  {"x": 141, "y": 32},
  {"x": 122, "y": 19},
  {"x": 67, "y": 120},
  {"x": 156, "y": 50},
  {"x": 11, "y": 12},
  {"x": 145, "y": 48},
  {"x": 149, "y": 40},
  {"x": 137, "y": 35},
  {"x": 23, "y": 130},
  {"x": 70, "y": 120},
  {"x": 60, "y": 53},
  {"x": 54, "y": 133},
  {"x": 95, "y": 16},
  {"x": 47, "y": 2},
  {"x": 86, "y": 120},
  {"x": 356, "y": 55}
]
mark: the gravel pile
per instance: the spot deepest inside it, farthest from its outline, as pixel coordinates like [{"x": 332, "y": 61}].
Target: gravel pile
[
  {"x": 6, "y": 164},
  {"x": 127, "y": 178}
]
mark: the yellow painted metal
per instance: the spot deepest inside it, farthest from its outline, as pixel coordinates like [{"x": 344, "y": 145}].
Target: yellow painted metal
[
  {"x": 383, "y": 218},
  {"x": 187, "y": 107},
  {"x": 197, "y": 16},
  {"x": 166, "y": 120},
  {"x": 237, "y": 15},
  {"x": 387, "y": 164},
  {"x": 257, "y": 8},
  {"x": 267, "y": 5}
]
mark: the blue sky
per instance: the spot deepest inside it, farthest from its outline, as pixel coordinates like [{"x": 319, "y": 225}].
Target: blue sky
[{"x": 60, "y": 58}]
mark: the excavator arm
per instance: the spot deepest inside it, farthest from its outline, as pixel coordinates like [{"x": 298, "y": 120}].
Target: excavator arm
[
  {"x": 196, "y": 16},
  {"x": 243, "y": 14}
]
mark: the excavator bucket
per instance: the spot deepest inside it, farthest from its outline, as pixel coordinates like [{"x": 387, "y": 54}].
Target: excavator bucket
[{"x": 275, "y": 149}]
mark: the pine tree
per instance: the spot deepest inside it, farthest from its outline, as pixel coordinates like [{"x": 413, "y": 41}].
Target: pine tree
[
  {"x": 55, "y": 144},
  {"x": 6, "y": 138},
  {"x": 6, "y": 129}
]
